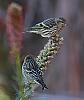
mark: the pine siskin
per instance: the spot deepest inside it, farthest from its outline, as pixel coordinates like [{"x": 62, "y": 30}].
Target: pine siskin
[
  {"x": 31, "y": 68},
  {"x": 48, "y": 27}
]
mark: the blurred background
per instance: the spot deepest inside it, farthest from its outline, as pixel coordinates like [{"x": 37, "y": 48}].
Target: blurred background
[{"x": 65, "y": 73}]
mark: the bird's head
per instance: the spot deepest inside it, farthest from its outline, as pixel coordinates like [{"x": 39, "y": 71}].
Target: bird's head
[
  {"x": 61, "y": 22},
  {"x": 28, "y": 58}
]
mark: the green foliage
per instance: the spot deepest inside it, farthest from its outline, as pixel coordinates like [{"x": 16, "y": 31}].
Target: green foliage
[
  {"x": 19, "y": 75},
  {"x": 3, "y": 95},
  {"x": 4, "y": 4}
]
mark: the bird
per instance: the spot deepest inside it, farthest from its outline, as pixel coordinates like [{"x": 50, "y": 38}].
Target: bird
[
  {"x": 48, "y": 27},
  {"x": 31, "y": 68}
]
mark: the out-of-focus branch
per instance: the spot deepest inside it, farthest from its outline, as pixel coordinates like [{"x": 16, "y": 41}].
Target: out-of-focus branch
[
  {"x": 14, "y": 27},
  {"x": 15, "y": 37}
]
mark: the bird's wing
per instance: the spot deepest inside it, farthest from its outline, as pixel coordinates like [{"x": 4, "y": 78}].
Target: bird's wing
[{"x": 38, "y": 28}]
